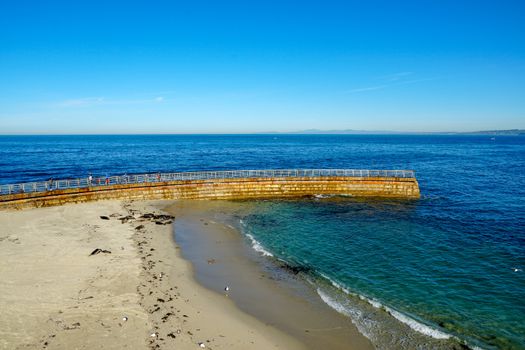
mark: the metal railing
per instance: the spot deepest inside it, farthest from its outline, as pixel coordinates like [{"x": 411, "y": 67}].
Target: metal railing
[{"x": 51, "y": 185}]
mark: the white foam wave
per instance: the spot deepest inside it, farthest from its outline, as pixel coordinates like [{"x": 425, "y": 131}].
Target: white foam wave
[
  {"x": 476, "y": 347},
  {"x": 336, "y": 284},
  {"x": 352, "y": 313},
  {"x": 257, "y": 246},
  {"x": 337, "y": 306},
  {"x": 415, "y": 325}
]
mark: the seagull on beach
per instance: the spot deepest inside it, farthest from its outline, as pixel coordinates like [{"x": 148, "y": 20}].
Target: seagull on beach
[{"x": 226, "y": 288}]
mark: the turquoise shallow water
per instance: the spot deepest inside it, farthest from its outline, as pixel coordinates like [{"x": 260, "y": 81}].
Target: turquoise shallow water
[
  {"x": 452, "y": 261},
  {"x": 457, "y": 281}
]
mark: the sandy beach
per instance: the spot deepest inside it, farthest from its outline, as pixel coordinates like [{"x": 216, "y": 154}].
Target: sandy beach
[
  {"x": 104, "y": 275},
  {"x": 209, "y": 237}
]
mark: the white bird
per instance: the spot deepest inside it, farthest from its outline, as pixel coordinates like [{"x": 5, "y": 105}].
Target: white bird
[
  {"x": 153, "y": 334},
  {"x": 226, "y": 288},
  {"x": 515, "y": 269},
  {"x": 202, "y": 345},
  {"x": 124, "y": 318}
]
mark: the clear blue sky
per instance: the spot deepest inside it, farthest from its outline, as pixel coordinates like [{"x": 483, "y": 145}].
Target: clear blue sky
[{"x": 251, "y": 66}]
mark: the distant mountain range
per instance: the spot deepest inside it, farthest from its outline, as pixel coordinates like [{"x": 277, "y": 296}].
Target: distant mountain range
[
  {"x": 513, "y": 132},
  {"x": 497, "y": 132}
]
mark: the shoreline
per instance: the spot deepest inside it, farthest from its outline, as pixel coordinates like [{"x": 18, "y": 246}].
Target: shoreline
[
  {"x": 59, "y": 293},
  {"x": 218, "y": 253},
  {"x": 210, "y": 236},
  {"x": 202, "y": 316}
]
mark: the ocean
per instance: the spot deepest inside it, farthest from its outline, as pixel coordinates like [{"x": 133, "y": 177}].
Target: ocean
[{"x": 450, "y": 265}]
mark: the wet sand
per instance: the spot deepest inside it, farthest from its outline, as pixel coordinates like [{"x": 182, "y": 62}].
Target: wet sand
[
  {"x": 103, "y": 275},
  {"x": 218, "y": 252}
]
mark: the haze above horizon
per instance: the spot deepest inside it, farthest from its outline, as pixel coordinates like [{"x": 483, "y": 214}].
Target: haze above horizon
[{"x": 245, "y": 67}]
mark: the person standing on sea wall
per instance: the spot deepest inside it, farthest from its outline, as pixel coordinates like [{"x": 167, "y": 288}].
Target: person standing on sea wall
[{"x": 90, "y": 179}]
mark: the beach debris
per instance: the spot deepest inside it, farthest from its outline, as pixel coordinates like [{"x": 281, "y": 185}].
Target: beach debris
[
  {"x": 124, "y": 318},
  {"x": 125, "y": 219},
  {"x": 139, "y": 227},
  {"x": 154, "y": 334},
  {"x": 201, "y": 344},
  {"x": 157, "y": 216},
  {"x": 171, "y": 335},
  {"x": 165, "y": 317},
  {"x": 159, "y": 219},
  {"x": 98, "y": 251},
  {"x": 104, "y": 217},
  {"x": 211, "y": 261}
]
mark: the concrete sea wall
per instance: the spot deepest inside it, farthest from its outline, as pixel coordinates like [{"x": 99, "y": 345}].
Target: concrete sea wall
[{"x": 238, "y": 188}]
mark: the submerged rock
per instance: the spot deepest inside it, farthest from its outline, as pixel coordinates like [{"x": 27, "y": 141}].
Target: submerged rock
[{"x": 295, "y": 269}]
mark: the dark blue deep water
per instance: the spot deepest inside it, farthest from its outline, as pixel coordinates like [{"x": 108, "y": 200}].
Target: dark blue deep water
[{"x": 450, "y": 263}]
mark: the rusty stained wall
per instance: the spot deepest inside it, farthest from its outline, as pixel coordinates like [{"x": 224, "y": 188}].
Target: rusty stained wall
[{"x": 223, "y": 189}]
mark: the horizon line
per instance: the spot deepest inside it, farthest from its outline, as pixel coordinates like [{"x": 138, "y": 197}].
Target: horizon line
[{"x": 516, "y": 131}]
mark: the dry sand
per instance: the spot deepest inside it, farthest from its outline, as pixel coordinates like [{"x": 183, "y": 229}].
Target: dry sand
[{"x": 55, "y": 295}]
